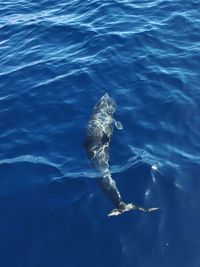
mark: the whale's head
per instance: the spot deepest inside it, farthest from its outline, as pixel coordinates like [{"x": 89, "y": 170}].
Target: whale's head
[{"x": 106, "y": 104}]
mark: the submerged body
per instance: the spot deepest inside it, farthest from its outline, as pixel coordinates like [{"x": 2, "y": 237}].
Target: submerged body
[{"x": 99, "y": 133}]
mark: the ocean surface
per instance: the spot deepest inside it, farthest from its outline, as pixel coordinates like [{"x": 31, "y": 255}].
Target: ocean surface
[{"x": 57, "y": 59}]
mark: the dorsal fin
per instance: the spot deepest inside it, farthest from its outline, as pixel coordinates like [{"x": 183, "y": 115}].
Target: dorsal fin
[{"x": 105, "y": 138}]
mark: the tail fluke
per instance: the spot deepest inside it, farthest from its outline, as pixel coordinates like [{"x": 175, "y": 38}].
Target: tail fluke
[{"x": 127, "y": 207}]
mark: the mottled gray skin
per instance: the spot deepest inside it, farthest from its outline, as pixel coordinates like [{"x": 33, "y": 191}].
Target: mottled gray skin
[{"x": 99, "y": 132}]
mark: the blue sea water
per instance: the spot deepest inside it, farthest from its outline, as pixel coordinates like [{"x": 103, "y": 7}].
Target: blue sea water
[{"x": 57, "y": 59}]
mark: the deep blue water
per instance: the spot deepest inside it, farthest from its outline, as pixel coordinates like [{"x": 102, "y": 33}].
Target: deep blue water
[{"x": 57, "y": 59}]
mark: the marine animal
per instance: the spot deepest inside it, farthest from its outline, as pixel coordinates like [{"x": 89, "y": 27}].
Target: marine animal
[{"x": 99, "y": 133}]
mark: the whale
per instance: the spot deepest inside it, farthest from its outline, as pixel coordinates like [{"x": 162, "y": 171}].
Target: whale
[{"x": 98, "y": 138}]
